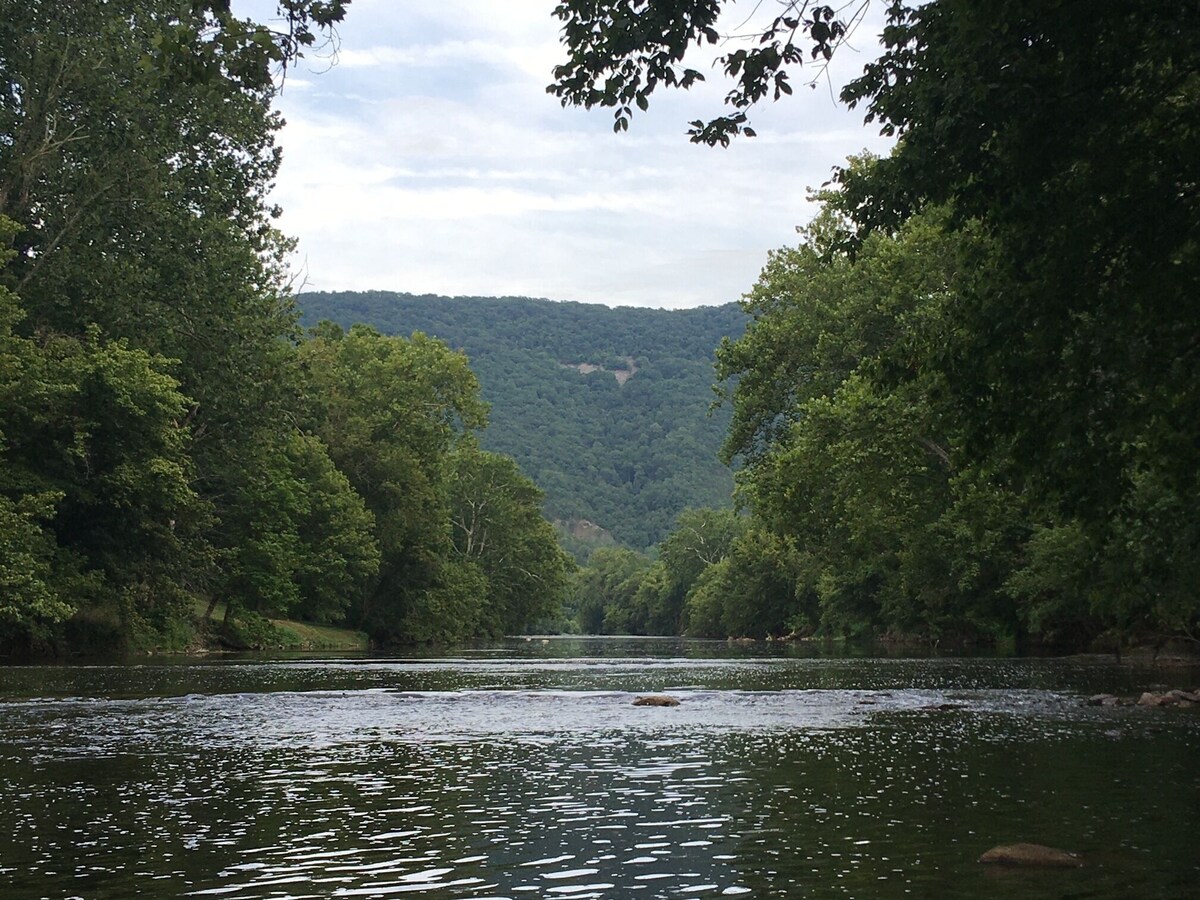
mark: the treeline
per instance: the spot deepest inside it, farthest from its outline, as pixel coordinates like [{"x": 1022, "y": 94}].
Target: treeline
[
  {"x": 968, "y": 404},
  {"x": 626, "y": 456},
  {"x": 865, "y": 513},
  {"x": 169, "y": 440}
]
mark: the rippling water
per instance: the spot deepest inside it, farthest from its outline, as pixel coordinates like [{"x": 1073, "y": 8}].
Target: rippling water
[{"x": 524, "y": 771}]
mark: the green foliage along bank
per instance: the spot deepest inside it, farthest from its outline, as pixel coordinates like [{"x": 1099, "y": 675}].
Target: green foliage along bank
[
  {"x": 607, "y": 410},
  {"x": 463, "y": 548},
  {"x": 968, "y": 404},
  {"x": 865, "y": 511},
  {"x": 168, "y": 437}
]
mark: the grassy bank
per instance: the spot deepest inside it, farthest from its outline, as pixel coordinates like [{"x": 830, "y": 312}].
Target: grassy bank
[{"x": 254, "y": 632}]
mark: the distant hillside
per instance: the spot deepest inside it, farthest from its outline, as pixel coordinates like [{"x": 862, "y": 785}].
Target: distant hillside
[{"x": 606, "y": 409}]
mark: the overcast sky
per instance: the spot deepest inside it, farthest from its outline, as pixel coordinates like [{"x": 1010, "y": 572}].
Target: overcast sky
[{"x": 427, "y": 157}]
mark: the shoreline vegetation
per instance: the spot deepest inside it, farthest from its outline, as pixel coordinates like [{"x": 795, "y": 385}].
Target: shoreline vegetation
[
  {"x": 215, "y": 635},
  {"x": 965, "y": 407},
  {"x": 169, "y": 435}
]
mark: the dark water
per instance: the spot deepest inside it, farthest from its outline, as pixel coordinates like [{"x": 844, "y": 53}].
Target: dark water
[{"x": 524, "y": 772}]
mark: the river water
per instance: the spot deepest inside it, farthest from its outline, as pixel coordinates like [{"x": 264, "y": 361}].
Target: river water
[{"x": 524, "y": 771}]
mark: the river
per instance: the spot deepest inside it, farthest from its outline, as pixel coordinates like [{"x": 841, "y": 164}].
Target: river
[{"x": 523, "y": 770}]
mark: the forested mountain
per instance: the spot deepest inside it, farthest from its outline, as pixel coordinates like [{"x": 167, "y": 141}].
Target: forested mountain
[{"x": 608, "y": 410}]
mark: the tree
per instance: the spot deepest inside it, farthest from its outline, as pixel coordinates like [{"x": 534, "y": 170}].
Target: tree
[
  {"x": 605, "y": 591},
  {"x": 1069, "y": 138},
  {"x": 302, "y": 540},
  {"x": 391, "y": 411},
  {"x": 95, "y": 495},
  {"x": 850, "y": 458},
  {"x": 498, "y": 526},
  {"x": 216, "y": 44},
  {"x": 136, "y": 153},
  {"x": 621, "y": 51},
  {"x": 31, "y": 576},
  {"x": 701, "y": 538},
  {"x": 756, "y": 590},
  {"x": 1062, "y": 135}
]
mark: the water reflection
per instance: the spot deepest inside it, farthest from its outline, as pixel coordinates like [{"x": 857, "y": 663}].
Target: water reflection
[{"x": 508, "y": 776}]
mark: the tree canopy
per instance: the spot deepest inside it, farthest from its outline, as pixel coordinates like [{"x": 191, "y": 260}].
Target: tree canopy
[
  {"x": 621, "y": 51},
  {"x": 969, "y": 399},
  {"x": 170, "y": 441},
  {"x": 966, "y": 405}
]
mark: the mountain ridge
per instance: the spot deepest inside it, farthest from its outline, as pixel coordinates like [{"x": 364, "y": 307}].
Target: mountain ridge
[{"x": 606, "y": 408}]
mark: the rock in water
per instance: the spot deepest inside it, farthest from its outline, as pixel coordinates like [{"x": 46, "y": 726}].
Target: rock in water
[
  {"x": 656, "y": 700},
  {"x": 1031, "y": 855}
]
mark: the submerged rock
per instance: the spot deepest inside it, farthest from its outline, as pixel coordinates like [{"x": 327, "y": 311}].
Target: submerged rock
[
  {"x": 655, "y": 700},
  {"x": 1031, "y": 855}
]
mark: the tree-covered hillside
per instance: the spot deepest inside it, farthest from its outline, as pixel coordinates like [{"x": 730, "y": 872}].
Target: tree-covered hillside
[{"x": 606, "y": 409}]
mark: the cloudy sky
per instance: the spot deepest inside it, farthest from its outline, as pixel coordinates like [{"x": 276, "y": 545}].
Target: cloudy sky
[{"x": 426, "y": 156}]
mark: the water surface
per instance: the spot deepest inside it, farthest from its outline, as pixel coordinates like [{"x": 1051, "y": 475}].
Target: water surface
[{"x": 524, "y": 771}]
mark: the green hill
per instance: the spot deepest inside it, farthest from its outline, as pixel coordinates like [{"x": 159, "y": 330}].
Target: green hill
[{"x": 606, "y": 409}]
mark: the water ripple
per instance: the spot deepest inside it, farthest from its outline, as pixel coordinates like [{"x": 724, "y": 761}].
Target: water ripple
[{"x": 485, "y": 785}]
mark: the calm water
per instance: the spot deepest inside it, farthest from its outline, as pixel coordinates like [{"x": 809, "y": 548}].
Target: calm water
[{"x": 524, "y": 772}]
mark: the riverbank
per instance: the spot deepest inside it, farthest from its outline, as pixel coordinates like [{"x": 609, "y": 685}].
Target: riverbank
[{"x": 255, "y": 632}]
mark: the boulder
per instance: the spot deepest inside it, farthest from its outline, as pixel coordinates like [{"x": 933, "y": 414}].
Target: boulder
[
  {"x": 1031, "y": 855},
  {"x": 1103, "y": 700},
  {"x": 655, "y": 700},
  {"x": 1149, "y": 698}
]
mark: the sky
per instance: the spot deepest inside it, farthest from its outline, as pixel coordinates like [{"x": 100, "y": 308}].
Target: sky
[{"x": 425, "y": 156}]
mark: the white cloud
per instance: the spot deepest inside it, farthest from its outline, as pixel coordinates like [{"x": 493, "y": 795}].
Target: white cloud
[
  {"x": 430, "y": 158},
  {"x": 448, "y": 53}
]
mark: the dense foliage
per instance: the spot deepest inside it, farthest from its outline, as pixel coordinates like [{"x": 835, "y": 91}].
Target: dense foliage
[
  {"x": 967, "y": 405},
  {"x": 621, "y": 51},
  {"x": 627, "y": 457},
  {"x": 168, "y": 441},
  {"x": 968, "y": 402}
]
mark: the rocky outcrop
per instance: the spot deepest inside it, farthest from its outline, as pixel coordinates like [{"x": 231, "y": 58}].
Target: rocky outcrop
[
  {"x": 1170, "y": 698},
  {"x": 1149, "y": 698},
  {"x": 655, "y": 700},
  {"x": 1031, "y": 855}
]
